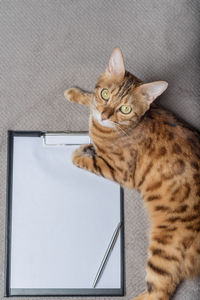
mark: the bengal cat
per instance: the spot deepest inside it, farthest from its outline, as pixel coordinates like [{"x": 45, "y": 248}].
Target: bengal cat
[{"x": 142, "y": 146}]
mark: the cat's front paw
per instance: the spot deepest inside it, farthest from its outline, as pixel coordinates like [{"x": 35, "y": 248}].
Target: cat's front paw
[
  {"x": 72, "y": 94},
  {"x": 81, "y": 152}
]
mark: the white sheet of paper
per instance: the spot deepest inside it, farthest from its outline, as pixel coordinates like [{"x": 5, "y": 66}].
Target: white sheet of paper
[{"x": 62, "y": 220}]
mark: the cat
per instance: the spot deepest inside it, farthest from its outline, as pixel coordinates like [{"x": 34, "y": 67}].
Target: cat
[{"x": 142, "y": 146}]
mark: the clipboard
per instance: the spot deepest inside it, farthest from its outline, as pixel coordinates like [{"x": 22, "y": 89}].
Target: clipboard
[{"x": 59, "y": 220}]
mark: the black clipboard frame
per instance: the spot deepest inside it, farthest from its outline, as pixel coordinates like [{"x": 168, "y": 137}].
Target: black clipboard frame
[{"x": 8, "y": 291}]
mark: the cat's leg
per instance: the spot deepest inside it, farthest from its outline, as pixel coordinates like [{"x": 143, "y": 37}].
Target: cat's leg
[
  {"x": 79, "y": 96},
  {"x": 147, "y": 296},
  {"x": 86, "y": 158},
  {"x": 163, "y": 272}
]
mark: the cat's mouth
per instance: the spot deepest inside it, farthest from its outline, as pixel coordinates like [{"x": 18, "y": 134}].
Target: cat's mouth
[{"x": 97, "y": 116}]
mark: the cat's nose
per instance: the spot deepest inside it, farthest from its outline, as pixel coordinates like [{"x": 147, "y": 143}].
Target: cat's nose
[{"x": 106, "y": 114}]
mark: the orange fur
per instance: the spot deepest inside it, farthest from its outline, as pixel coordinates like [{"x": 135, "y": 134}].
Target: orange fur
[{"x": 152, "y": 151}]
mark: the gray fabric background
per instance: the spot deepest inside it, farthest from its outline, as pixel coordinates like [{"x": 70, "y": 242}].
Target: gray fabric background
[{"x": 48, "y": 46}]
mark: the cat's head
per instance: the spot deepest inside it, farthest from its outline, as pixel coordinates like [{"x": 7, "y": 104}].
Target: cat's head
[{"x": 120, "y": 97}]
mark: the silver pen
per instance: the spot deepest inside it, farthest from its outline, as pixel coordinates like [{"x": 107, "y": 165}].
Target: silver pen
[{"x": 108, "y": 251}]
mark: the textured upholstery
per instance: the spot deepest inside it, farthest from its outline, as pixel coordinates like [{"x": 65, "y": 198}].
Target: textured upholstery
[{"x": 49, "y": 46}]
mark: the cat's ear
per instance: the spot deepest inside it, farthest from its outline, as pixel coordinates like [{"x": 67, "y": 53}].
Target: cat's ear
[
  {"x": 116, "y": 64},
  {"x": 152, "y": 90}
]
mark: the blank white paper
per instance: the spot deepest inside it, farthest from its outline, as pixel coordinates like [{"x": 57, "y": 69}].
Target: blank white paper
[{"x": 62, "y": 220}]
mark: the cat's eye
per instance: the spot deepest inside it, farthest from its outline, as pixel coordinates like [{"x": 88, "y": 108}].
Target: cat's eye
[
  {"x": 125, "y": 109},
  {"x": 105, "y": 94}
]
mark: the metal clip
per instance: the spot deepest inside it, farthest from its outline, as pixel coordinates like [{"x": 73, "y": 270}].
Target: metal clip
[{"x": 66, "y": 138}]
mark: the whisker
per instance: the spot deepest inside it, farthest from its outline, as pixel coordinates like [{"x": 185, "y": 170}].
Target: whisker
[{"x": 119, "y": 127}]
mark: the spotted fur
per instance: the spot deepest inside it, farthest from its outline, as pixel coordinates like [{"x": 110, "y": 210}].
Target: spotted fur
[{"x": 152, "y": 151}]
